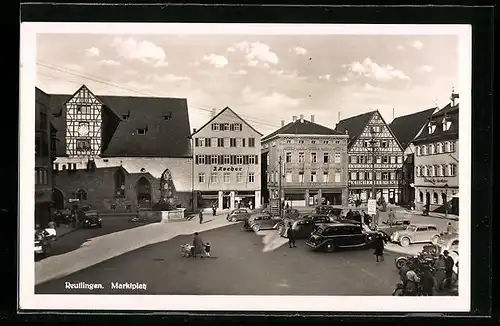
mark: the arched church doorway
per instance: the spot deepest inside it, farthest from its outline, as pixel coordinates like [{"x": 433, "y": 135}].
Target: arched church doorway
[
  {"x": 57, "y": 199},
  {"x": 143, "y": 192}
]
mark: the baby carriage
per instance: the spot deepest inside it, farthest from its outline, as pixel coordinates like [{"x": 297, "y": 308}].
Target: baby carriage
[{"x": 186, "y": 250}]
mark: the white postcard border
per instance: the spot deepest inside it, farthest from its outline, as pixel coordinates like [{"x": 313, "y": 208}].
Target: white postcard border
[{"x": 28, "y": 300}]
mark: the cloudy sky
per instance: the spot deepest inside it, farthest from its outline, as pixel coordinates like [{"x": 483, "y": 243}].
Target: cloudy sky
[{"x": 264, "y": 78}]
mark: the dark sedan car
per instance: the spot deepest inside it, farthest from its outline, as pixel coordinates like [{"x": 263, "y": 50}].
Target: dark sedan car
[
  {"x": 92, "y": 219},
  {"x": 238, "y": 215},
  {"x": 303, "y": 228},
  {"x": 331, "y": 236}
]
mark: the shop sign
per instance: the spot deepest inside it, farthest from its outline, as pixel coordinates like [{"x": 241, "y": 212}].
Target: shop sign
[
  {"x": 435, "y": 181},
  {"x": 221, "y": 168},
  {"x": 372, "y": 206}
]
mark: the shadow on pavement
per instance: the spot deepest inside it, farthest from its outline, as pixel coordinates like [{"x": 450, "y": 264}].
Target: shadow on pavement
[{"x": 80, "y": 237}]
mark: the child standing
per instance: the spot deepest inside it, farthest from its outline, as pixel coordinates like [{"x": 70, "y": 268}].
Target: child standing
[{"x": 207, "y": 249}]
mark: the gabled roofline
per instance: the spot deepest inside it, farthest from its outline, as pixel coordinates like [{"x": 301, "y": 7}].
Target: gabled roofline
[
  {"x": 218, "y": 114},
  {"x": 392, "y": 133},
  {"x": 353, "y": 140},
  {"x": 303, "y": 136}
]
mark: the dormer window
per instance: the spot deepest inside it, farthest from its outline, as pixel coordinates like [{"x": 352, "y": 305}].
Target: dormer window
[
  {"x": 141, "y": 131},
  {"x": 432, "y": 127},
  {"x": 446, "y": 124},
  {"x": 126, "y": 116}
]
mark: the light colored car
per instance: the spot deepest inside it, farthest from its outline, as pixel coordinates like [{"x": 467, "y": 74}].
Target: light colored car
[
  {"x": 448, "y": 242},
  {"x": 417, "y": 233}
]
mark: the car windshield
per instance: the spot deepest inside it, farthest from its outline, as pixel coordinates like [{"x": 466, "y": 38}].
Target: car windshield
[{"x": 411, "y": 228}]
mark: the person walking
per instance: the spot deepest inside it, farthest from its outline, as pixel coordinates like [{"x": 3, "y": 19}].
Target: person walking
[
  {"x": 291, "y": 236},
  {"x": 200, "y": 215},
  {"x": 198, "y": 246},
  {"x": 449, "y": 263},
  {"x": 214, "y": 210},
  {"x": 392, "y": 217},
  {"x": 450, "y": 229},
  {"x": 440, "y": 272},
  {"x": 379, "y": 248}
]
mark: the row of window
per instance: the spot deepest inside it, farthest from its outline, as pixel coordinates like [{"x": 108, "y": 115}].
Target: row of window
[
  {"x": 435, "y": 199},
  {"x": 41, "y": 176},
  {"x": 83, "y": 144},
  {"x": 226, "y": 159},
  {"x": 303, "y": 141},
  {"x": 227, "y": 127},
  {"x": 224, "y": 142},
  {"x": 438, "y": 170},
  {"x": 313, "y": 177},
  {"x": 367, "y": 159},
  {"x": 368, "y": 176},
  {"x": 439, "y": 148},
  {"x": 226, "y": 177},
  {"x": 313, "y": 158},
  {"x": 378, "y": 143}
]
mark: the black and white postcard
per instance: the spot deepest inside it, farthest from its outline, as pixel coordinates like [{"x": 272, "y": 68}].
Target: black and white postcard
[{"x": 245, "y": 167}]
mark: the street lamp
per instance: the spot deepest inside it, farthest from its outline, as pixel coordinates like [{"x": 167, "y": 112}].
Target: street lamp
[{"x": 446, "y": 202}]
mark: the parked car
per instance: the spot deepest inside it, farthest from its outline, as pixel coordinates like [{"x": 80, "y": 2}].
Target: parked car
[
  {"x": 43, "y": 242},
  {"x": 448, "y": 242},
  {"x": 238, "y": 215},
  {"x": 417, "y": 233},
  {"x": 323, "y": 209},
  {"x": 92, "y": 219},
  {"x": 263, "y": 221},
  {"x": 365, "y": 227},
  {"x": 398, "y": 224},
  {"x": 332, "y": 236},
  {"x": 291, "y": 213},
  {"x": 304, "y": 226}
]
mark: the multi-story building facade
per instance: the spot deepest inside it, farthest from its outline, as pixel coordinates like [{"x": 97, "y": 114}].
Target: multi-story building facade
[
  {"x": 44, "y": 155},
  {"x": 305, "y": 164},
  {"x": 436, "y": 161},
  {"x": 375, "y": 156},
  {"x": 406, "y": 128},
  {"x": 226, "y": 153},
  {"x": 117, "y": 152}
]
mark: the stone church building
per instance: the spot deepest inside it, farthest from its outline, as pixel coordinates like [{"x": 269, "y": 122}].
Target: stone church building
[{"x": 117, "y": 152}]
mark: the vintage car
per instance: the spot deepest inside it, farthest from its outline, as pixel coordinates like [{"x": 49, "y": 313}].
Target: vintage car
[
  {"x": 43, "y": 242},
  {"x": 366, "y": 228},
  {"x": 91, "y": 219},
  {"x": 263, "y": 221},
  {"x": 331, "y": 236},
  {"x": 238, "y": 215},
  {"x": 388, "y": 228},
  {"x": 323, "y": 209},
  {"x": 448, "y": 241},
  {"x": 416, "y": 233},
  {"x": 304, "y": 226},
  {"x": 291, "y": 213}
]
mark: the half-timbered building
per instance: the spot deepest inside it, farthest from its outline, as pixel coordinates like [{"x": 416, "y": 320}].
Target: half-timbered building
[
  {"x": 305, "y": 164},
  {"x": 226, "y": 154},
  {"x": 117, "y": 152},
  {"x": 406, "y": 128},
  {"x": 436, "y": 161},
  {"x": 375, "y": 156}
]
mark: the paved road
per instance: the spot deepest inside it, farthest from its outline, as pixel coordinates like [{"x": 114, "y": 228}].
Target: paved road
[
  {"x": 243, "y": 263},
  {"x": 77, "y": 238}
]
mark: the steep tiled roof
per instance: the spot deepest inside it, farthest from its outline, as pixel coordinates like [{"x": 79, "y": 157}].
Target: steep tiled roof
[
  {"x": 405, "y": 128},
  {"x": 303, "y": 128},
  {"x": 451, "y": 113},
  {"x": 354, "y": 125},
  {"x": 164, "y": 138},
  {"x": 220, "y": 113}
]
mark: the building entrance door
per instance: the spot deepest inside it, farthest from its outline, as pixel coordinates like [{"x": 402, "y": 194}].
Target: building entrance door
[
  {"x": 144, "y": 193},
  {"x": 57, "y": 199}
]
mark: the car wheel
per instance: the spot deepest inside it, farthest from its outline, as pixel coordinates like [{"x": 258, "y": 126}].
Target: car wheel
[
  {"x": 233, "y": 219},
  {"x": 405, "y": 242},
  {"x": 435, "y": 240},
  {"x": 255, "y": 227},
  {"x": 400, "y": 262},
  {"x": 329, "y": 247}
]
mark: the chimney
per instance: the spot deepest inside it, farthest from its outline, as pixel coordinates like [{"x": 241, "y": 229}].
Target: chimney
[
  {"x": 294, "y": 118},
  {"x": 282, "y": 123},
  {"x": 312, "y": 118},
  {"x": 339, "y": 115},
  {"x": 392, "y": 113},
  {"x": 194, "y": 130},
  {"x": 213, "y": 113},
  {"x": 301, "y": 118}
]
